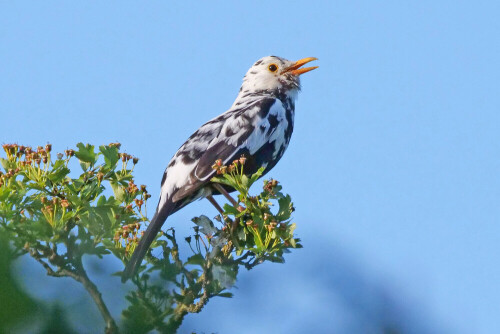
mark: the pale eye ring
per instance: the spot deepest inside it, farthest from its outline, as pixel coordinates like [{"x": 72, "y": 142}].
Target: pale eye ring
[{"x": 273, "y": 67}]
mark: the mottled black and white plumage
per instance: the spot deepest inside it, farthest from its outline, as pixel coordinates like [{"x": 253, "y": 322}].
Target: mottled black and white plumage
[{"x": 259, "y": 125}]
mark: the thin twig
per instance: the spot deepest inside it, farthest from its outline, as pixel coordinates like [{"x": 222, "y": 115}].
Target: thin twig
[{"x": 81, "y": 276}]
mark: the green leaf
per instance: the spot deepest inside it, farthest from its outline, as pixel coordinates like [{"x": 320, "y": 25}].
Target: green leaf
[
  {"x": 118, "y": 190},
  {"x": 276, "y": 259},
  {"x": 111, "y": 156},
  {"x": 245, "y": 181},
  {"x": 230, "y": 210},
  {"x": 86, "y": 153},
  {"x": 58, "y": 173},
  {"x": 257, "y": 239},
  {"x": 207, "y": 227},
  {"x": 241, "y": 234},
  {"x": 225, "y": 294},
  {"x": 285, "y": 205},
  {"x": 257, "y": 175},
  {"x": 196, "y": 259},
  {"x": 224, "y": 275},
  {"x": 6, "y": 164},
  {"x": 222, "y": 180},
  {"x": 101, "y": 201}
]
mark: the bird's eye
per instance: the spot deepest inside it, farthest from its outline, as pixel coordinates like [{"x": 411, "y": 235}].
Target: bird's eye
[{"x": 273, "y": 67}]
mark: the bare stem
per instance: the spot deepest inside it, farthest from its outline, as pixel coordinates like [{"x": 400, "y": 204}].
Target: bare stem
[{"x": 80, "y": 275}]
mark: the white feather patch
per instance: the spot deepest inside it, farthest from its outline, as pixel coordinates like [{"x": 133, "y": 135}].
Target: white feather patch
[{"x": 177, "y": 176}]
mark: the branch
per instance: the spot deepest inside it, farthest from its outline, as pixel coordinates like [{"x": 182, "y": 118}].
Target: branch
[
  {"x": 182, "y": 310},
  {"x": 96, "y": 295},
  {"x": 81, "y": 276}
]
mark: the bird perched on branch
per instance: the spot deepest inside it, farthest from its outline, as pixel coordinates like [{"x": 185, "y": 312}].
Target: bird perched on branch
[{"x": 258, "y": 125}]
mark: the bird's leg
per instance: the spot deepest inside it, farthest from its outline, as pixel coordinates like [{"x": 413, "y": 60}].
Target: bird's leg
[
  {"x": 234, "y": 223},
  {"x": 226, "y": 194},
  {"x": 217, "y": 206},
  {"x": 214, "y": 203}
]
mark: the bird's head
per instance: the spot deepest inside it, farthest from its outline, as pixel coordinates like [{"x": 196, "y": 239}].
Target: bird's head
[{"x": 275, "y": 76}]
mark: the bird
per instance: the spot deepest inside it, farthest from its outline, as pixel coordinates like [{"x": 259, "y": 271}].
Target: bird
[{"x": 258, "y": 125}]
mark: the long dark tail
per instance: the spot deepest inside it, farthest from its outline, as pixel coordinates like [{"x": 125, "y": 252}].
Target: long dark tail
[{"x": 146, "y": 240}]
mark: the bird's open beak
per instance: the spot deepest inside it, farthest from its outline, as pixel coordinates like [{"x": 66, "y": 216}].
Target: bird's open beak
[{"x": 295, "y": 68}]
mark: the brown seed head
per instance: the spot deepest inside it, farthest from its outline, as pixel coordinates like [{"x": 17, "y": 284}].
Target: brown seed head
[
  {"x": 139, "y": 203},
  {"x": 132, "y": 188},
  {"x": 117, "y": 145}
]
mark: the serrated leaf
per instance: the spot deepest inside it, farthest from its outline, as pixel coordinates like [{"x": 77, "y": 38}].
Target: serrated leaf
[
  {"x": 111, "y": 156},
  {"x": 86, "y": 153},
  {"x": 118, "y": 190},
  {"x": 101, "y": 201},
  {"x": 58, "y": 174},
  {"x": 284, "y": 211},
  {"x": 257, "y": 175},
  {"x": 58, "y": 164},
  {"x": 207, "y": 227}
]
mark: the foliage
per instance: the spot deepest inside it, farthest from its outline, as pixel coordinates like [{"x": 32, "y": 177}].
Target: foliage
[
  {"x": 15, "y": 304},
  {"x": 58, "y": 218}
]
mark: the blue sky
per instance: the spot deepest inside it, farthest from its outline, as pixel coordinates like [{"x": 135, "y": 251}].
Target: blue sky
[{"x": 393, "y": 164}]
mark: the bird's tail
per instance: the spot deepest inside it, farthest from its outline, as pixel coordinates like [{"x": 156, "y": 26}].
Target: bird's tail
[{"x": 146, "y": 240}]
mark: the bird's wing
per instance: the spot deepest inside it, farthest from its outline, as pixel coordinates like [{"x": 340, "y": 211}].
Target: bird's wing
[{"x": 249, "y": 129}]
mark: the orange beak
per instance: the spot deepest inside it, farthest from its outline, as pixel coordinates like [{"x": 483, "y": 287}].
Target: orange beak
[{"x": 295, "y": 68}]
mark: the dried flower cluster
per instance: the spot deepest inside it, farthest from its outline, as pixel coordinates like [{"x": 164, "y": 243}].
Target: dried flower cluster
[
  {"x": 127, "y": 236},
  {"x": 233, "y": 167}
]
